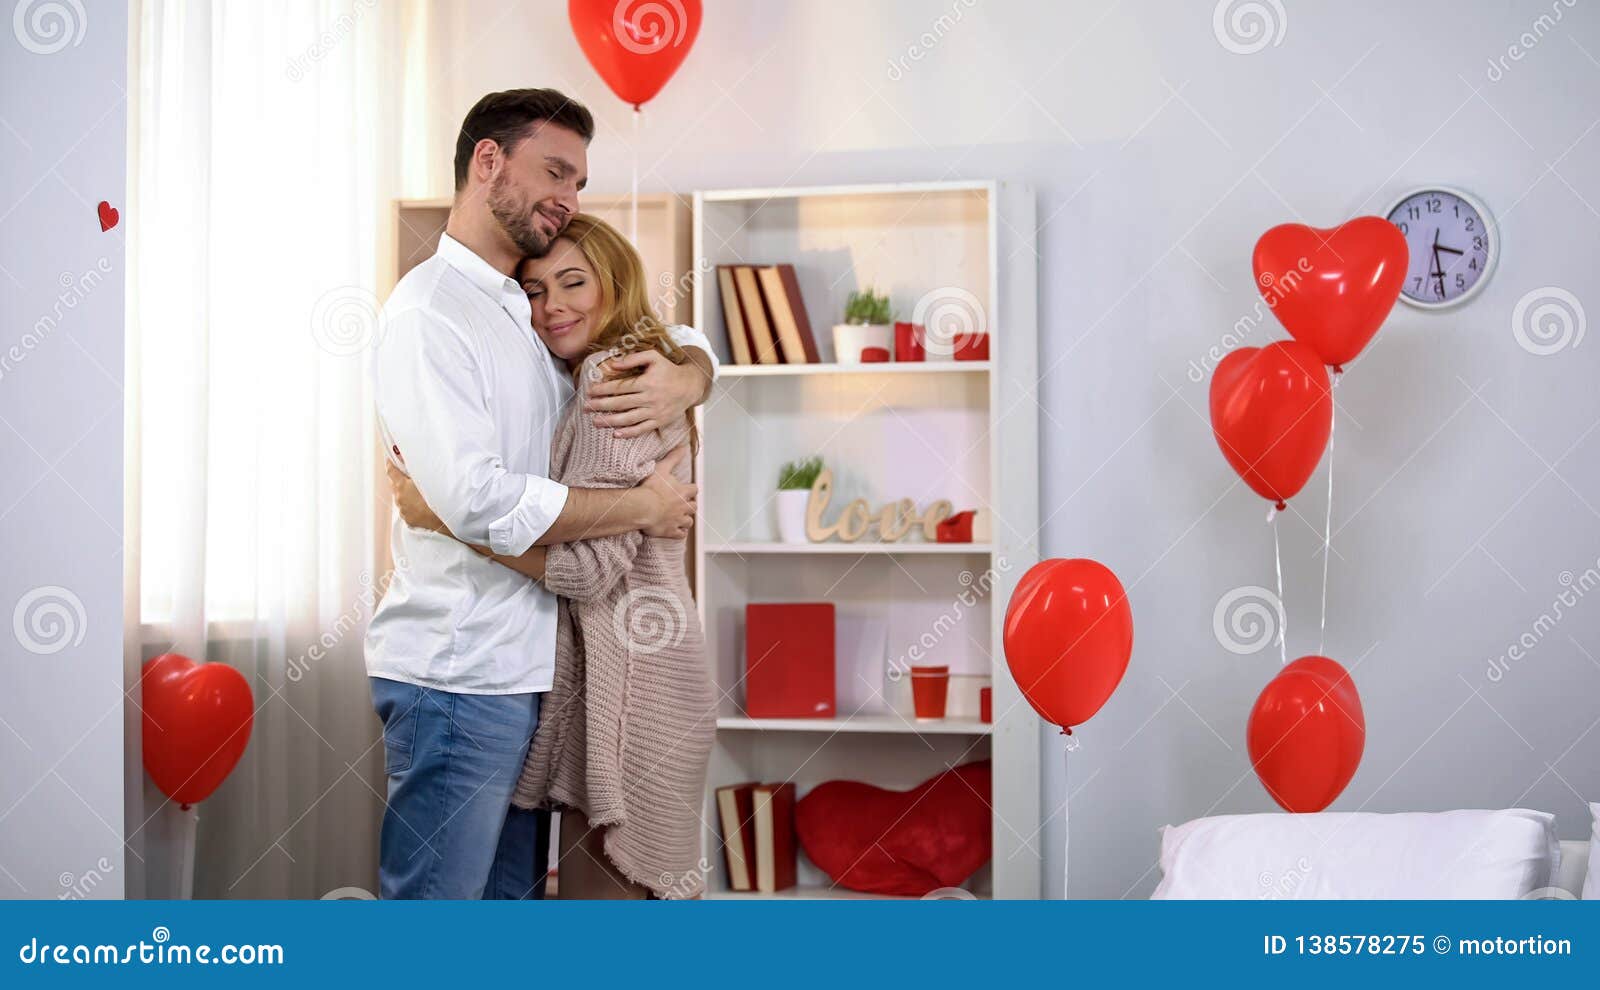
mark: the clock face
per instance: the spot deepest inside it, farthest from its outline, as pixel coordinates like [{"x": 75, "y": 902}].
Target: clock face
[{"x": 1452, "y": 244}]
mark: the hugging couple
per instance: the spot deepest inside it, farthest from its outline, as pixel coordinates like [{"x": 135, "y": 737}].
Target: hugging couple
[{"x": 537, "y": 418}]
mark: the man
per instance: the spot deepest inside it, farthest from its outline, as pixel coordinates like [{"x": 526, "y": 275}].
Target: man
[{"x": 461, "y": 649}]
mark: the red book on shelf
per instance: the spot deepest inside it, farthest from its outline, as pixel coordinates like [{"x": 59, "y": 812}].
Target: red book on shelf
[
  {"x": 733, "y": 315},
  {"x": 781, "y": 290},
  {"x": 775, "y": 845},
  {"x": 788, "y": 660},
  {"x": 736, "y": 810}
]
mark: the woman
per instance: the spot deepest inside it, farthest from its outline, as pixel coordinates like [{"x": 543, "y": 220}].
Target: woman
[{"x": 625, "y": 732}]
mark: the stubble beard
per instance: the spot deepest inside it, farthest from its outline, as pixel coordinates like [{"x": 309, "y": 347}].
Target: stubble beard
[{"x": 516, "y": 217}]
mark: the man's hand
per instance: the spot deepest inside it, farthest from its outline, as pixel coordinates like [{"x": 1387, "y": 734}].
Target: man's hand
[
  {"x": 661, "y": 395},
  {"x": 674, "y": 499},
  {"x": 409, "y": 500}
]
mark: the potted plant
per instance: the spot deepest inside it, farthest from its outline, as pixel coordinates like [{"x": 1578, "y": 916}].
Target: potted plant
[
  {"x": 794, "y": 491},
  {"x": 868, "y": 322}
]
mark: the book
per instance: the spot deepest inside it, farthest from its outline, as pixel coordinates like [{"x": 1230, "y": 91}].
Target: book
[
  {"x": 789, "y": 660},
  {"x": 754, "y": 309},
  {"x": 736, "y": 810},
  {"x": 789, "y": 321},
  {"x": 738, "y": 341},
  {"x": 774, "y": 828}
]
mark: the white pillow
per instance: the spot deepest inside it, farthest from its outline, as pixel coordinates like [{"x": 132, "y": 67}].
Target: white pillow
[
  {"x": 1591, "y": 884},
  {"x": 1358, "y": 856}
]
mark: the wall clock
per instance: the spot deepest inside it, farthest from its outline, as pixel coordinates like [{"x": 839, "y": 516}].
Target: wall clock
[{"x": 1453, "y": 242}]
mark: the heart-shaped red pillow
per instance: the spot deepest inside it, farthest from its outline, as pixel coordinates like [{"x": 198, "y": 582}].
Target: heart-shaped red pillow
[{"x": 899, "y": 842}]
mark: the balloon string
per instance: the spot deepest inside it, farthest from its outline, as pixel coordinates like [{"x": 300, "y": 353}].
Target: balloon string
[
  {"x": 633, "y": 199},
  {"x": 1327, "y": 526},
  {"x": 1066, "y": 827},
  {"x": 1283, "y": 610}
]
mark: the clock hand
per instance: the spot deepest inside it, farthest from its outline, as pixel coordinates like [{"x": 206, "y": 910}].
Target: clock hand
[{"x": 1441, "y": 247}]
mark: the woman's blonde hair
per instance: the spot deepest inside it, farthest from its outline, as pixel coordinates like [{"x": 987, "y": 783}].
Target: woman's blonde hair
[{"x": 626, "y": 322}]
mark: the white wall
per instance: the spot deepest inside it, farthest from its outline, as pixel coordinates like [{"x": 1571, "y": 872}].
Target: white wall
[
  {"x": 62, "y": 150},
  {"x": 1468, "y": 468}
]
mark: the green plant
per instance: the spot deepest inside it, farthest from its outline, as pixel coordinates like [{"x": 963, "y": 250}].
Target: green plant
[
  {"x": 799, "y": 475},
  {"x": 867, "y": 306}
]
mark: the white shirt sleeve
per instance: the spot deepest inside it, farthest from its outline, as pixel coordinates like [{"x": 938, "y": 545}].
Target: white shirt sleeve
[
  {"x": 686, "y": 336},
  {"x": 432, "y": 405}
]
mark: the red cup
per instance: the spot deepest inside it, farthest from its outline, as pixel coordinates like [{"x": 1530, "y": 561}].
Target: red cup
[
  {"x": 986, "y": 704},
  {"x": 908, "y": 343},
  {"x": 930, "y": 687},
  {"x": 972, "y": 347},
  {"x": 874, "y": 355}
]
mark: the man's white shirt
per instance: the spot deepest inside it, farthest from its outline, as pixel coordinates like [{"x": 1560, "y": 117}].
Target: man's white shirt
[{"x": 471, "y": 398}]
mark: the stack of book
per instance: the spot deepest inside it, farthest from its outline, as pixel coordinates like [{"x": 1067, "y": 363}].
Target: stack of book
[
  {"x": 758, "y": 836},
  {"x": 766, "y": 317}
]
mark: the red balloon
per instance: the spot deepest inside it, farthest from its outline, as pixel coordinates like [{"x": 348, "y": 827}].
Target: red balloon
[
  {"x": 635, "y": 45},
  {"x": 1068, "y": 637},
  {"x": 1306, "y": 734},
  {"x": 197, "y": 720},
  {"x": 1272, "y": 412},
  {"x": 1332, "y": 289}
]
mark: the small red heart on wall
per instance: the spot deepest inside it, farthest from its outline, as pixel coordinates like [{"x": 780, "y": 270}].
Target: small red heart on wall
[{"x": 108, "y": 216}]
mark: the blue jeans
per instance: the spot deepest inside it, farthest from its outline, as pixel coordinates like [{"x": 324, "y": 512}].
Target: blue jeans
[{"x": 449, "y": 830}]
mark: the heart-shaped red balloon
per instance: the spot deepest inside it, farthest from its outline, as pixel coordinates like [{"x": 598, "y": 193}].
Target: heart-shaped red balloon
[
  {"x": 1271, "y": 412},
  {"x": 906, "y": 843},
  {"x": 1306, "y": 734},
  {"x": 635, "y": 45},
  {"x": 1068, "y": 636},
  {"x": 197, "y": 720},
  {"x": 1333, "y": 288}
]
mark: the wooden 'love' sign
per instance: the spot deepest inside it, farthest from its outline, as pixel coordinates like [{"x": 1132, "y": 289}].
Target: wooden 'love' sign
[{"x": 894, "y": 520}]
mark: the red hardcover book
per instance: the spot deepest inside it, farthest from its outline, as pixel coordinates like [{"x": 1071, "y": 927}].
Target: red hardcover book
[
  {"x": 788, "y": 660},
  {"x": 775, "y": 845},
  {"x": 736, "y": 809},
  {"x": 790, "y": 324}
]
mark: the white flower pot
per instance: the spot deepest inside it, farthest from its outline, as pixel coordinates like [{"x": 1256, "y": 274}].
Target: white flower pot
[
  {"x": 789, "y": 509},
  {"x": 850, "y": 338}
]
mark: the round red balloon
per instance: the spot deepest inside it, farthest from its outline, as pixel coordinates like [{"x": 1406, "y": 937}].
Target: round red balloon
[
  {"x": 197, "y": 720},
  {"x": 1272, "y": 412},
  {"x": 635, "y": 45},
  {"x": 1068, "y": 637},
  {"x": 1332, "y": 289},
  {"x": 1306, "y": 734}
]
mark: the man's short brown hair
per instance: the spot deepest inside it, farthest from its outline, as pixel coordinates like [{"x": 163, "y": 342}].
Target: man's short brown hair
[{"x": 508, "y": 116}]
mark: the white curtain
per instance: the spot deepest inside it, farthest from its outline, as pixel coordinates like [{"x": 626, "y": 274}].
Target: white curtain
[{"x": 265, "y": 159}]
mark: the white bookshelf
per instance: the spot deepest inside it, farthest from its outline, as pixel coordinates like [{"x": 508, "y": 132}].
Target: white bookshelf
[{"x": 962, "y": 431}]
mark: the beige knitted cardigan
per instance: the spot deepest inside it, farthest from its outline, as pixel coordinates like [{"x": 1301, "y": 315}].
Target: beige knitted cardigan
[{"x": 626, "y": 730}]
